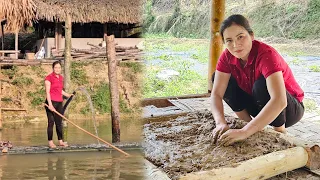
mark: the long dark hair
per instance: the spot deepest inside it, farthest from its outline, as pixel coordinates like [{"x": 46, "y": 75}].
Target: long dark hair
[
  {"x": 237, "y": 19},
  {"x": 55, "y": 63}
]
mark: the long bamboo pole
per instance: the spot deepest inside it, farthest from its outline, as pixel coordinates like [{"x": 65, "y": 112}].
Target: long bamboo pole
[{"x": 89, "y": 132}]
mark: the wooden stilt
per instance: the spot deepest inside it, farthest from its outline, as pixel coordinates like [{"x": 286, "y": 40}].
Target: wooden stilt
[
  {"x": 67, "y": 64},
  {"x": 114, "y": 92},
  {"x": 17, "y": 43},
  {"x": 0, "y": 98},
  {"x": 217, "y": 16}
]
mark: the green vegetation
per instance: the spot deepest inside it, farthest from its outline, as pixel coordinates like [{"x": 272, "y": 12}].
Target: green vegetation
[
  {"x": 310, "y": 105},
  {"x": 38, "y": 70},
  {"x": 101, "y": 99},
  {"x": 191, "y": 19},
  {"x": 135, "y": 66},
  {"x": 78, "y": 75},
  {"x": 22, "y": 81},
  {"x": 314, "y": 68},
  {"x": 37, "y": 97},
  {"x": 296, "y": 61},
  {"x": 10, "y": 71}
]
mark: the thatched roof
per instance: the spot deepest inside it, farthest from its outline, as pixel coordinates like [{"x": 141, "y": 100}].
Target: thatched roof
[
  {"x": 84, "y": 11},
  {"x": 17, "y": 12}
]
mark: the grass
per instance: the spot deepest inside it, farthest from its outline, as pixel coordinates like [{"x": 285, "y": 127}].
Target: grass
[
  {"x": 296, "y": 61},
  {"x": 22, "y": 81},
  {"x": 10, "y": 71},
  {"x": 310, "y": 105},
  {"x": 101, "y": 100},
  {"x": 38, "y": 70},
  {"x": 37, "y": 97},
  {"x": 314, "y": 68},
  {"x": 188, "y": 82},
  {"x": 78, "y": 74}
]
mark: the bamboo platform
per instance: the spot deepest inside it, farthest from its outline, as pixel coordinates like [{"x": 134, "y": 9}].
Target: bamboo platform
[{"x": 71, "y": 148}]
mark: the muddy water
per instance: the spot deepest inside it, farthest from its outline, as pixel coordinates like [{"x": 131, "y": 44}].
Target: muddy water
[
  {"x": 35, "y": 133},
  {"x": 77, "y": 165}
]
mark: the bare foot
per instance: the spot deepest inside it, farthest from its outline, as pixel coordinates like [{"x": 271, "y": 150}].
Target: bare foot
[
  {"x": 63, "y": 144},
  {"x": 281, "y": 129},
  {"x": 52, "y": 145}
]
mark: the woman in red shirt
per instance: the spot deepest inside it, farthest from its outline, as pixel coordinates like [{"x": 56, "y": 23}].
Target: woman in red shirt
[
  {"x": 255, "y": 81},
  {"x": 54, "y": 93}
]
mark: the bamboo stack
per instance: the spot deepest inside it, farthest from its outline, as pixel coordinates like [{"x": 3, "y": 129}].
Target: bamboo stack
[{"x": 123, "y": 53}]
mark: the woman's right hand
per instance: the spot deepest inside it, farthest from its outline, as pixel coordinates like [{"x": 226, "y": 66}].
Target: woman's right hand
[
  {"x": 51, "y": 107},
  {"x": 218, "y": 131}
]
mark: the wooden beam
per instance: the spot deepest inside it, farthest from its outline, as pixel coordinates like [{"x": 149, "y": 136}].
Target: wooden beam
[
  {"x": 105, "y": 31},
  {"x": 262, "y": 167},
  {"x": 12, "y": 109},
  {"x": 154, "y": 172},
  {"x": 67, "y": 65},
  {"x": 113, "y": 85},
  {"x": 17, "y": 43},
  {"x": 217, "y": 16}
]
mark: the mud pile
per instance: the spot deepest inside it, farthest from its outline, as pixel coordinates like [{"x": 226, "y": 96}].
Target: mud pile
[{"x": 184, "y": 144}]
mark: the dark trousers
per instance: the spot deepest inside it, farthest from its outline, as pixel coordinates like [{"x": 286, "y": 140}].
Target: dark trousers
[
  {"x": 239, "y": 100},
  {"x": 53, "y": 118}
]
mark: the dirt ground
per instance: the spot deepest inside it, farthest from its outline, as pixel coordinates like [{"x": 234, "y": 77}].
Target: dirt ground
[{"x": 183, "y": 145}]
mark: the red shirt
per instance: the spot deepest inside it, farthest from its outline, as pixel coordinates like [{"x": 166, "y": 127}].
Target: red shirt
[
  {"x": 263, "y": 60},
  {"x": 56, "y": 87}
]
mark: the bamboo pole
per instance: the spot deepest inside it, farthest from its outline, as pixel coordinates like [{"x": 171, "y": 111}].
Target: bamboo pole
[
  {"x": 217, "y": 16},
  {"x": 109, "y": 144},
  {"x": 113, "y": 85},
  {"x": 262, "y": 167}
]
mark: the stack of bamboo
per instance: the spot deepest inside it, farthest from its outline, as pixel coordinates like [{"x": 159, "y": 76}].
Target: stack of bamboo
[{"x": 122, "y": 53}]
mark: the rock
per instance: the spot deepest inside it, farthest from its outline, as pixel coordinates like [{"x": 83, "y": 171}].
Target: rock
[{"x": 5, "y": 150}]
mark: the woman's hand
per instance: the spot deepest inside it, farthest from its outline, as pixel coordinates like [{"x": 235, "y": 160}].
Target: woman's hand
[
  {"x": 218, "y": 131},
  {"x": 51, "y": 107},
  {"x": 233, "y": 135}
]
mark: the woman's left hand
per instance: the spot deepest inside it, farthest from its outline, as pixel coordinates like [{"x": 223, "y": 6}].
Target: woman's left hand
[{"x": 233, "y": 135}]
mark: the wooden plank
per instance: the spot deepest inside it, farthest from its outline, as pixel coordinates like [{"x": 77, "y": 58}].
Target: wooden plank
[
  {"x": 9, "y": 51},
  {"x": 163, "y": 101},
  {"x": 12, "y": 109},
  {"x": 262, "y": 167}
]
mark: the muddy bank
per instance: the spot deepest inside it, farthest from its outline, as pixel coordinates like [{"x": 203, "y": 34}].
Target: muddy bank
[{"x": 183, "y": 145}]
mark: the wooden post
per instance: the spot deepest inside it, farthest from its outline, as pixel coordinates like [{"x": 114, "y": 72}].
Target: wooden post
[
  {"x": 57, "y": 35},
  {"x": 105, "y": 30},
  {"x": 67, "y": 64},
  {"x": 17, "y": 43},
  {"x": 262, "y": 167},
  {"x": 113, "y": 85},
  {"x": 0, "y": 98},
  {"x": 217, "y": 16}
]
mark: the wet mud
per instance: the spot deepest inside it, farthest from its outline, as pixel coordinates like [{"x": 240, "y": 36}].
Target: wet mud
[{"x": 184, "y": 144}]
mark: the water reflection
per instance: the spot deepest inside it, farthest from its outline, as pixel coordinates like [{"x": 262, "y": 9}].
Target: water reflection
[
  {"x": 79, "y": 165},
  {"x": 34, "y": 134}
]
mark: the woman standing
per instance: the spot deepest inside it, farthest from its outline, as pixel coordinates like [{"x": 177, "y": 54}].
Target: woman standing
[
  {"x": 255, "y": 81},
  {"x": 54, "y": 93}
]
